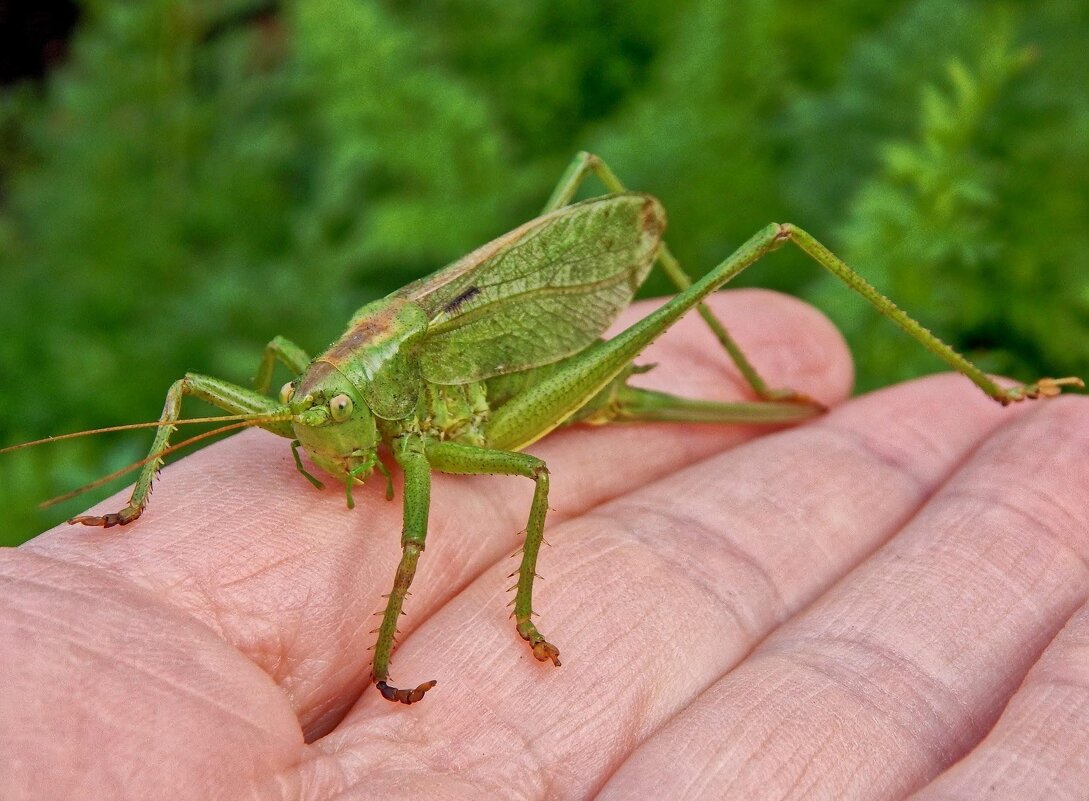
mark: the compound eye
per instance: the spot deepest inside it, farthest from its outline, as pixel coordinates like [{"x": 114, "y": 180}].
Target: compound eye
[
  {"x": 341, "y": 407},
  {"x": 286, "y": 391}
]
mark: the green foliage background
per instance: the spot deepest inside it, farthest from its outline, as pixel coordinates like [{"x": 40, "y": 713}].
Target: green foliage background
[{"x": 202, "y": 175}]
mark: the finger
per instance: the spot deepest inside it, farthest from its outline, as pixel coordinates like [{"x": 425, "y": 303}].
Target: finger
[
  {"x": 105, "y": 687},
  {"x": 904, "y": 666},
  {"x": 291, "y": 577},
  {"x": 1038, "y": 748},
  {"x": 654, "y": 596}
]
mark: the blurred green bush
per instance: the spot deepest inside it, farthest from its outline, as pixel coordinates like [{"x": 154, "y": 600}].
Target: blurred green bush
[{"x": 200, "y": 176}]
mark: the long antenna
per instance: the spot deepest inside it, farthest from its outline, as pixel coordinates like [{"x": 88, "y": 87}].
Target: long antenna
[
  {"x": 268, "y": 418},
  {"x": 98, "y": 482}
]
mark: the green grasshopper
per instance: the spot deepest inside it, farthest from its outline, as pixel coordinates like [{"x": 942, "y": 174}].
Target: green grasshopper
[{"x": 461, "y": 370}]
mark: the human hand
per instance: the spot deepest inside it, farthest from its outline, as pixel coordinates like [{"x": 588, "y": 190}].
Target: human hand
[{"x": 838, "y": 610}]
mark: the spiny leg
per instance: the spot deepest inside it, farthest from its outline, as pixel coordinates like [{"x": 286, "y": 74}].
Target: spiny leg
[
  {"x": 295, "y": 358},
  {"x": 533, "y": 413},
  {"x": 620, "y": 403},
  {"x": 450, "y": 457},
  {"x": 409, "y": 452},
  {"x": 1044, "y": 387},
  {"x": 581, "y": 167},
  {"x": 223, "y": 394}
]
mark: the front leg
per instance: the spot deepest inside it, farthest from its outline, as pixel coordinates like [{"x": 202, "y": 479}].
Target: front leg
[
  {"x": 223, "y": 394},
  {"x": 418, "y": 455},
  {"x": 409, "y": 452}
]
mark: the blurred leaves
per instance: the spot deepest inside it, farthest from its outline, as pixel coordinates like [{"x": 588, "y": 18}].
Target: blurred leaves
[
  {"x": 201, "y": 176},
  {"x": 941, "y": 222}
]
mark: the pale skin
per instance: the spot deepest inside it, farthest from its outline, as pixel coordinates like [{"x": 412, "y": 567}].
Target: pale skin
[{"x": 866, "y": 606}]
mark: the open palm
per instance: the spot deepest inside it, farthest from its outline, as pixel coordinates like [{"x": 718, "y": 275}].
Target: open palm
[{"x": 862, "y": 607}]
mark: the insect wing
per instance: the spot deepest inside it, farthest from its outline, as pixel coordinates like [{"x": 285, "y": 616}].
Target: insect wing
[{"x": 540, "y": 293}]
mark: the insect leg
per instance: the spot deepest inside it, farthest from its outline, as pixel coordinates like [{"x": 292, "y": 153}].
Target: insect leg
[
  {"x": 534, "y": 412},
  {"x": 223, "y": 394},
  {"x": 531, "y": 414},
  {"x": 451, "y": 457},
  {"x": 585, "y": 164},
  {"x": 631, "y": 404},
  {"x": 296, "y": 360},
  {"x": 825, "y": 258},
  {"x": 409, "y": 452},
  {"x": 287, "y": 352}
]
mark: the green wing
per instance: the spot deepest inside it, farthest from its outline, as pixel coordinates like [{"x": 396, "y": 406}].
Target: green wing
[{"x": 540, "y": 293}]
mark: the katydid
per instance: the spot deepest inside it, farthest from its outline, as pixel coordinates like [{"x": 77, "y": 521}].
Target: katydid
[{"x": 460, "y": 371}]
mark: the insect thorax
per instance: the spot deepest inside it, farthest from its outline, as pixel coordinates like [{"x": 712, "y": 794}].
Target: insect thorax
[{"x": 455, "y": 412}]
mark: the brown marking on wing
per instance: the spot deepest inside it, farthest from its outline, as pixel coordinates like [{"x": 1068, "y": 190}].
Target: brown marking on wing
[
  {"x": 421, "y": 291},
  {"x": 460, "y": 300},
  {"x": 653, "y": 217}
]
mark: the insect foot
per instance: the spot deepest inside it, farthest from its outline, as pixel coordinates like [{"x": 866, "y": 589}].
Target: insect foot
[
  {"x": 1044, "y": 388},
  {"x": 404, "y": 696},
  {"x": 543, "y": 650},
  {"x": 125, "y": 516}
]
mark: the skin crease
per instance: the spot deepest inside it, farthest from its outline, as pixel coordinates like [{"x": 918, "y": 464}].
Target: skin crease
[{"x": 864, "y": 607}]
